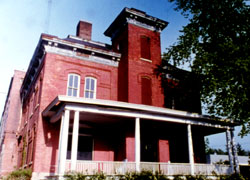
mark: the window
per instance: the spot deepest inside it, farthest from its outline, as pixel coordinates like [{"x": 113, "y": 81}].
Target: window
[
  {"x": 145, "y": 47},
  {"x": 84, "y": 148},
  {"x": 73, "y": 85},
  {"x": 90, "y": 88},
  {"x": 146, "y": 91}
]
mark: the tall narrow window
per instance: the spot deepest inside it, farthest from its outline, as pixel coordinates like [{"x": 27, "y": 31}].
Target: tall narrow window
[
  {"x": 73, "y": 85},
  {"x": 145, "y": 47},
  {"x": 90, "y": 88},
  {"x": 146, "y": 91}
]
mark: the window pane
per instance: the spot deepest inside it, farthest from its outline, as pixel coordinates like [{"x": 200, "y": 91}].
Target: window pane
[
  {"x": 87, "y": 83},
  {"x": 85, "y": 148},
  {"x": 69, "y": 146},
  {"x": 69, "y": 92},
  {"x": 86, "y": 94},
  {"x": 75, "y": 92},
  {"x": 92, "y": 84},
  {"x": 76, "y": 82},
  {"x": 91, "y": 95},
  {"x": 70, "y": 80}
]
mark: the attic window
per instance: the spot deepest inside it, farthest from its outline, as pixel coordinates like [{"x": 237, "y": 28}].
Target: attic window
[{"x": 145, "y": 47}]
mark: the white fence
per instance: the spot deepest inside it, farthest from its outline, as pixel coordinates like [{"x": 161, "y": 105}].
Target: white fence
[{"x": 116, "y": 167}]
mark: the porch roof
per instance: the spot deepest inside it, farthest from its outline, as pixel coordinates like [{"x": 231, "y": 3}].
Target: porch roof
[{"x": 107, "y": 107}]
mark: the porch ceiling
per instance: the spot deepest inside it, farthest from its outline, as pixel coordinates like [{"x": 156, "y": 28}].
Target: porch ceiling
[{"x": 106, "y": 111}]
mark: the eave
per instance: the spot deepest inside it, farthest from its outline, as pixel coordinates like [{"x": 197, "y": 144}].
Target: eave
[
  {"x": 123, "y": 109},
  {"x": 141, "y": 17},
  {"x": 53, "y": 41}
]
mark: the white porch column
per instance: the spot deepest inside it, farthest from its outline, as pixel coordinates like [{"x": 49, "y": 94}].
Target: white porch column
[
  {"x": 235, "y": 154},
  {"x": 229, "y": 150},
  {"x": 63, "y": 142},
  {"x": 74, "y": 141},
  {"x": 190, "y": 148},
  {"x": 137, "y": 144}
]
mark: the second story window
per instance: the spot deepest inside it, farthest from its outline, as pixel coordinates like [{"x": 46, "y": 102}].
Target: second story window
[
  {"x": 90, "y": 88},
  {"x": 73, "y": 85},
  {"x": 146, "y": 91},
  {"x": 145, "y": 47}
]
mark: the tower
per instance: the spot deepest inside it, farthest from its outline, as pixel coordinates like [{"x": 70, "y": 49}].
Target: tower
[{"x": 136, "y": 36}]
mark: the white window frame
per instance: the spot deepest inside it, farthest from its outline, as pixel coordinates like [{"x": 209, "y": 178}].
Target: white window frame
[
  {"x": 72, "y": 87},
  {"x": 90, "y": 90}
]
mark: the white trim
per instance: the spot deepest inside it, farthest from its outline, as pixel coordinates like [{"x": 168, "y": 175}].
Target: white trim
[
  {"x": 72, "y": 53},
  {"x": 126, "y": 105},
  {"x": 121, "y": 113},
  {"x": 190, "y": 148},
  {"x": 137, "y": 144},
  {"x": 80, "y": 46},
  {"x": 147, "y": 60},
  {"x": 134, "y": 110},
  {"x": 63, "y": 142},
  {"x": 74, "y": 144}
]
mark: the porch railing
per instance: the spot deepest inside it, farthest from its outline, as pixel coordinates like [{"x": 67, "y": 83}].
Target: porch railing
[{"x": 116, "y": 167}]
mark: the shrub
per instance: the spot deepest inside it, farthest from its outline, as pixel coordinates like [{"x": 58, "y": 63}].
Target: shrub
[
  {"x": 233, "y": 177},
  {"x": 21, "y": 174},
  {"x": 80, "y": 176},
  {"x": 179, "y": 177},
  {"x": 143, "y": 175},
  {"x": 197, "y": 177}
]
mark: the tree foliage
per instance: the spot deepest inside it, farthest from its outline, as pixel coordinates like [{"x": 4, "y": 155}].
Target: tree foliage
[{"x": 216, "y": 44}]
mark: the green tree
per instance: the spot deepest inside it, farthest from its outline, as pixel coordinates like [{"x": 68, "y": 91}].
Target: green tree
[
  {"x": 216, "y": 45},
  {"x": 241, "y": 151}
]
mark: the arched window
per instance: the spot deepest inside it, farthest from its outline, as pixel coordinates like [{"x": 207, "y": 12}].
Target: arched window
[
  {"x": 90, "y": 88},
  {"x": 73, "y": 85}
]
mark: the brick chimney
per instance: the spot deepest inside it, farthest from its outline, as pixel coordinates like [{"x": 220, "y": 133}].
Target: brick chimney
[{"x": 84, "y": 30}]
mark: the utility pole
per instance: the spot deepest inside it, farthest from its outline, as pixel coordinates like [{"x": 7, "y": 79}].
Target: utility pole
[{"x": 47, "y": 20}]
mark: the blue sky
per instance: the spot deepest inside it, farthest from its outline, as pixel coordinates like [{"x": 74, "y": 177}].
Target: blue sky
[{"x": 22, "y": 22}]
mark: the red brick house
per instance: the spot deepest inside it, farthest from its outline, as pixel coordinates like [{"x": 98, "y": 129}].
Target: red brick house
[{"x": 89, "y": 106}]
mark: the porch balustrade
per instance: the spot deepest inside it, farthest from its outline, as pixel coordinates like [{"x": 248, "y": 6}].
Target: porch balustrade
[{"x": 119, "y": 168}]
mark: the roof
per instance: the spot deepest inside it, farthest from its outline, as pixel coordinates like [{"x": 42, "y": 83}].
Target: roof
[
  {"x": 91, "y": 43},
  {"x": 71, "y": 43},
  {"x": 138, "y": 17},
  {"x": 124, "y": 109}
]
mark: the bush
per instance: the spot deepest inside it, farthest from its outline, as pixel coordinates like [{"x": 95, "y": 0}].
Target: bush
[
  {"x": 21, "y": 174},
  {"x": 179, "y": 177},
  {"x": 80, "y": 176},
  {"x": 146, "y": 175},
  {"x": 233, "y": 177},
  {"x": 143, "y": 175},
  {"x": 197, "y": 177}
]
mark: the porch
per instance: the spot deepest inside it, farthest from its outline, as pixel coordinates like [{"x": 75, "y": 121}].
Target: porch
[
  {"x": 121, "y": 168},
  {"x": 117, "y": 137}
]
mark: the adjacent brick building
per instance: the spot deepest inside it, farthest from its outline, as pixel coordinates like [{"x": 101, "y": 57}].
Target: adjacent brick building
[
  {"x": 90, "y": 106},
  {"x": 10, "y": 123}
]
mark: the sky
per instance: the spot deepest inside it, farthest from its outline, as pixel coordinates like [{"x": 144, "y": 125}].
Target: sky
[{"x": 23, "y": 21}]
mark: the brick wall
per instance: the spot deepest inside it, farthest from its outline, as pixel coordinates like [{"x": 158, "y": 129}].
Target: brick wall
[{"x": 9, "y": 150}]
